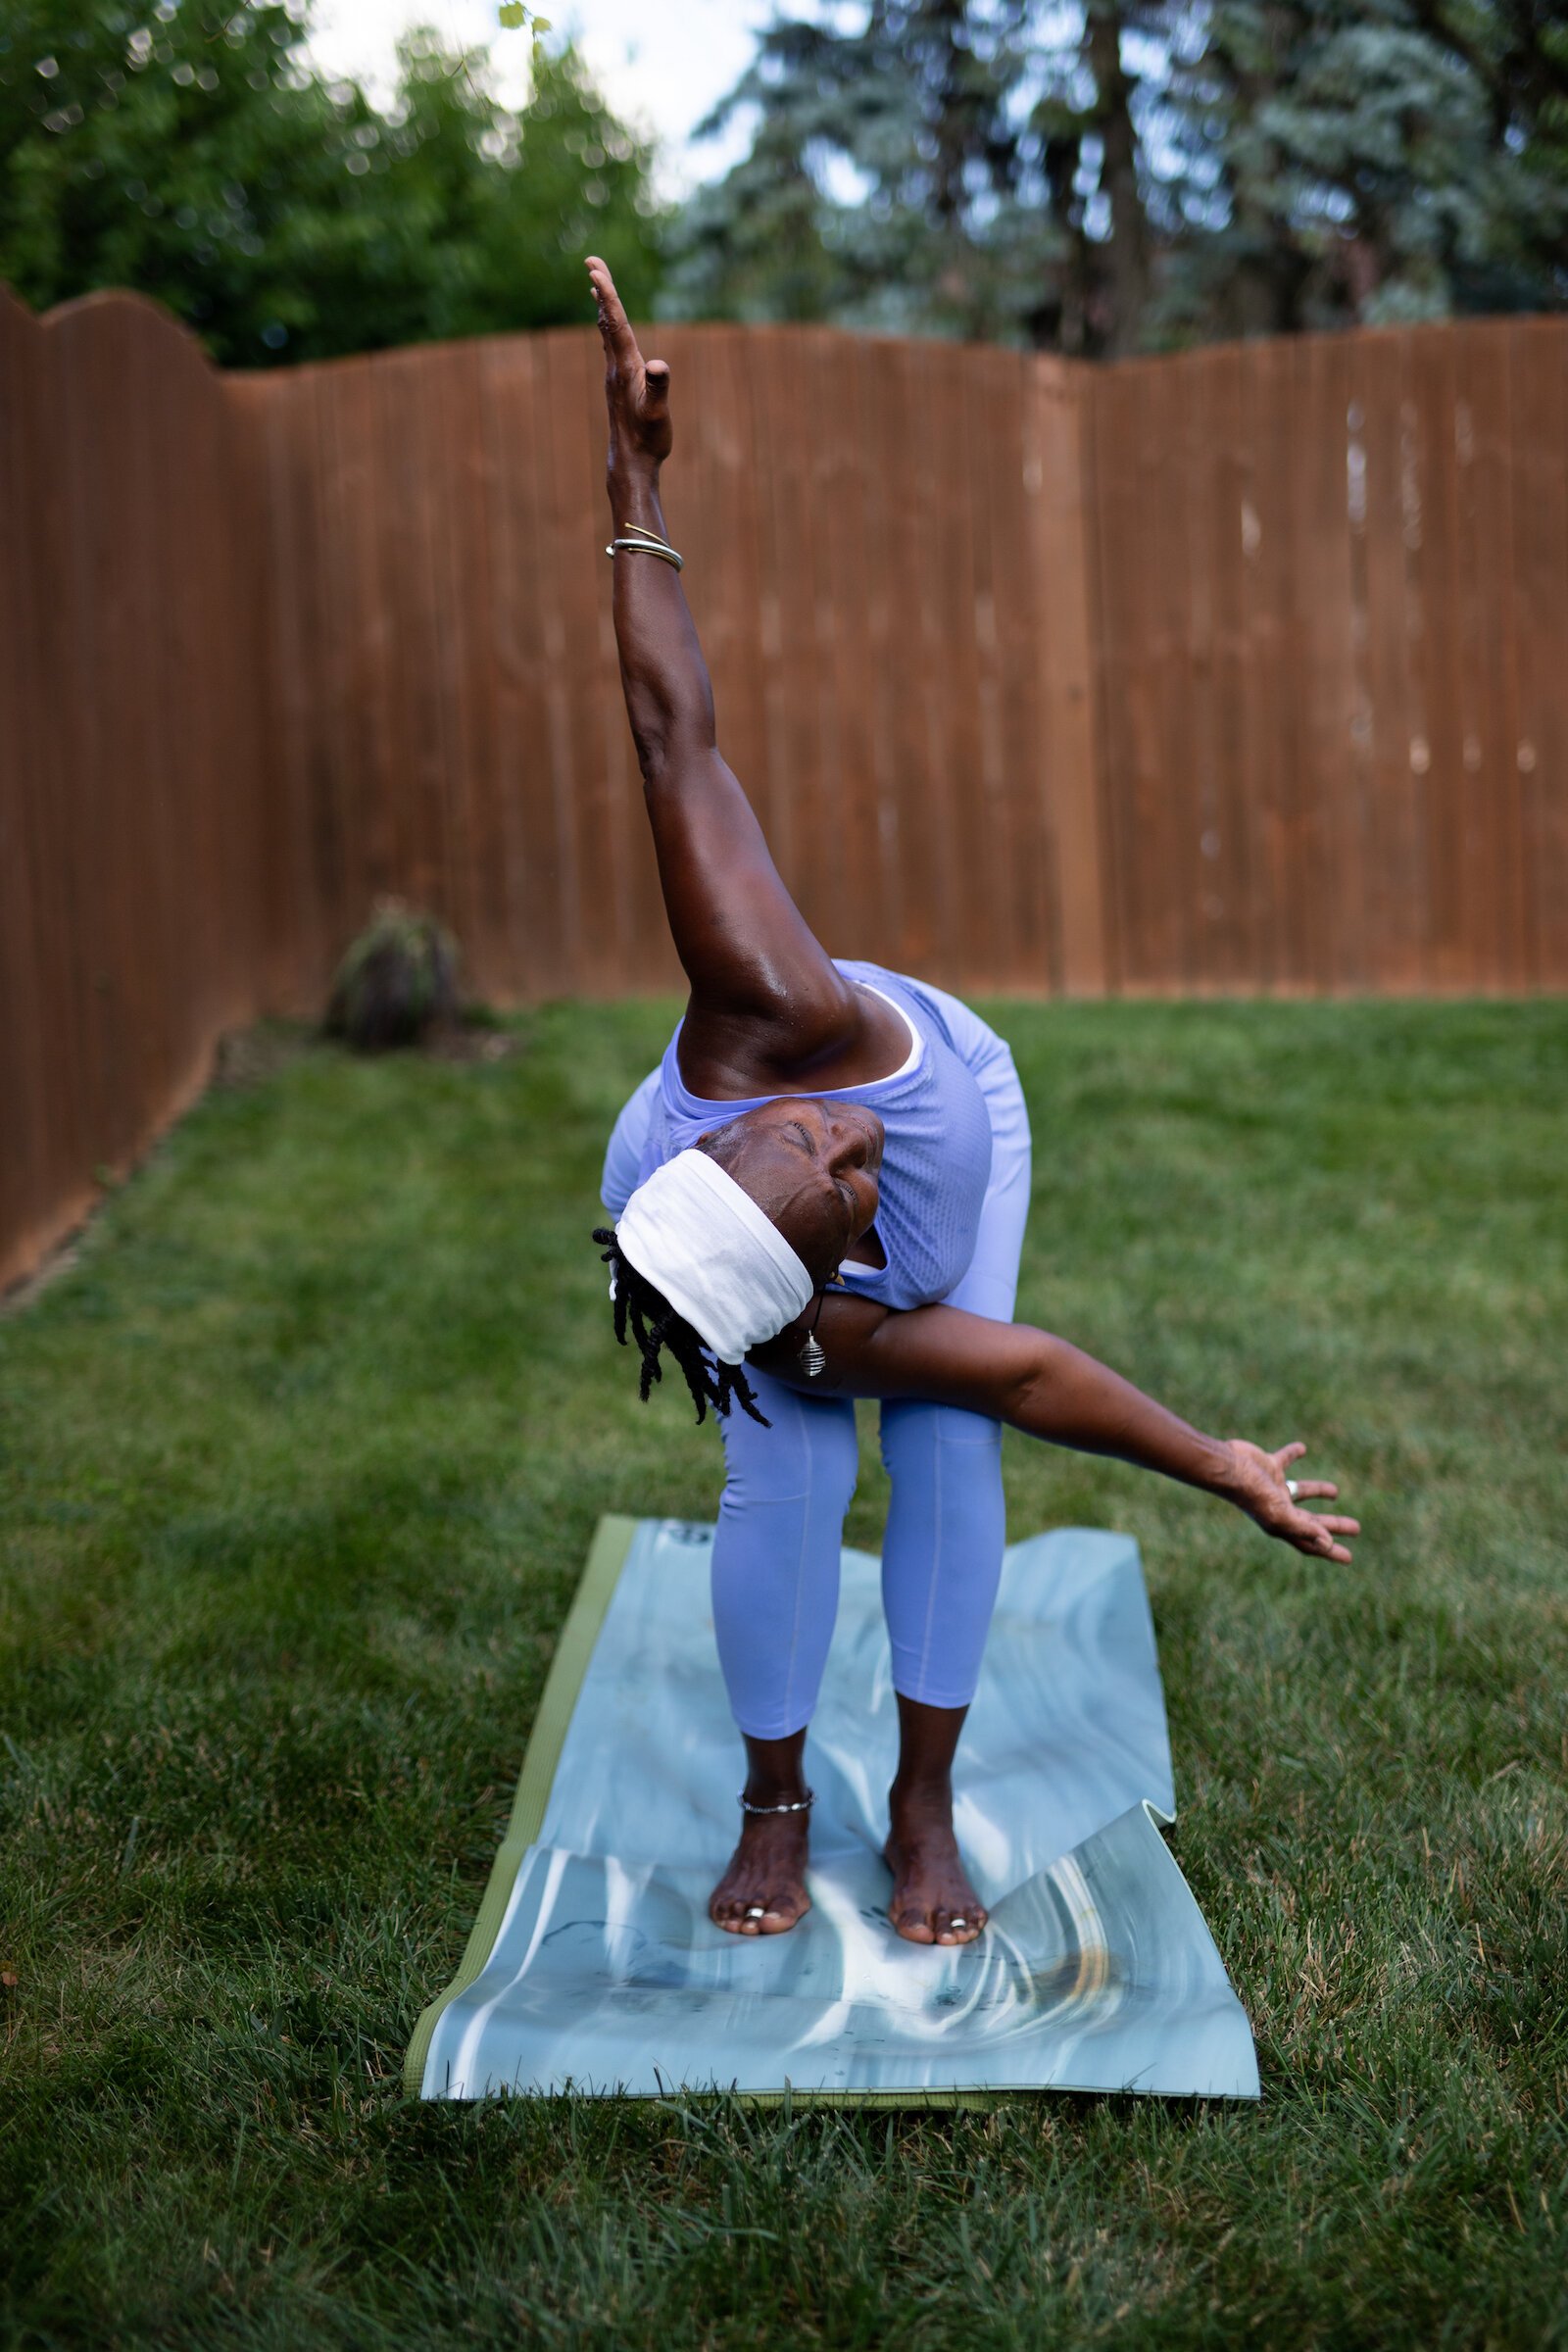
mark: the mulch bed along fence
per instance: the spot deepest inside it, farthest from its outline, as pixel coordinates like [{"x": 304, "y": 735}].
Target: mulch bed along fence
[{"x": 1245, "y": 669}]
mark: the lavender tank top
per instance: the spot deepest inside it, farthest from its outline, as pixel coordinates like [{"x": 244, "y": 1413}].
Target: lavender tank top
[{"x": 938, "y": 1157}]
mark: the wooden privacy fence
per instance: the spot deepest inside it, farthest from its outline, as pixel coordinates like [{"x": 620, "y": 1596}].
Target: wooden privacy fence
[{"x": 1243, "y": 669}]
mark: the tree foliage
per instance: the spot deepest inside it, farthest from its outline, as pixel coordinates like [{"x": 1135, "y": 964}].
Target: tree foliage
[
  {"x": 190, "y": 151},
  {"x": 1136, "y": 173},
  {"x": 889, "y": 180},
  {"x": 1373, "y": 162}
]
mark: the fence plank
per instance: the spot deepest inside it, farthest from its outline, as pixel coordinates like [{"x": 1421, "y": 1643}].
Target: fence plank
[
  {"x": 1221, "y": 774},
  {"x": 1495, "y": 835},
  {"x": 1441, "y": 755},
  {"x": 300, "y": 585},
  {"x": 1161, "y": 781},
  {"x": 953, "y": 679},
  {"x": 1060, "y": 470},
  {"x": 846, "y": 652},
  {"x": 1395, "y": 908},
  {"x": 1279, "y": 844},
  {"x": 1023, "y": 885},
  {"x": 883, "y": 685},
  {"x": 1537, "y": 352},
  {"x": 513, "y": 585},
  {"x": 1339, "y": 721},
  {"x": 923, "y": 894},
  {"x": 35, "y": 1106},
  {"x": 1113, "y": 539}
]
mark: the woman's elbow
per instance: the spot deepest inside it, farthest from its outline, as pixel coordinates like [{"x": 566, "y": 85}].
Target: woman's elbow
[
  {"x": 671, "y": 749},
  {"x": 1029, "y": 1384}
]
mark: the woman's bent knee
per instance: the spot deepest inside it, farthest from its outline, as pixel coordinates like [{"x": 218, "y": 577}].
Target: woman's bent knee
[
  {"x": 810, "y": 1450},
  {"x": 911, "y": 1427}
]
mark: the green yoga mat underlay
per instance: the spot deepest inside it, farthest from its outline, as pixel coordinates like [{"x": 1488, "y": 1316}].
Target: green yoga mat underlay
[{"x": 592, "y": 1967}]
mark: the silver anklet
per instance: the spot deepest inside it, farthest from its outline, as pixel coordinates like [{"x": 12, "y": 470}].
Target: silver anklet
[{"x": 802, "y": 1805}]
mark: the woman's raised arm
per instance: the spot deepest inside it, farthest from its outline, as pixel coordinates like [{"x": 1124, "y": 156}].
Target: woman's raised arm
[{"x": 762, "y": 987}]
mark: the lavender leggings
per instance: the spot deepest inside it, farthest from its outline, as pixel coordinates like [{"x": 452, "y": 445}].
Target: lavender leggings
[{"x": 775, "y": 1576}]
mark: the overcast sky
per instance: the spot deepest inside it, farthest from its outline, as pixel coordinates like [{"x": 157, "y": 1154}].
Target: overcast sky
[{"x": 661, "y": 63}]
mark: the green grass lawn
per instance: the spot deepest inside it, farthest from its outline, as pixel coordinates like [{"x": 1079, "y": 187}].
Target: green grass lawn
[{"x": 300, "y": 1464}]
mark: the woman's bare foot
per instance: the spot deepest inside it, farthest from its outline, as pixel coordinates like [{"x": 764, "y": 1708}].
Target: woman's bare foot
[
  {"x": 763, "y": 1891},
  {"x": 932, "y": 1900}
]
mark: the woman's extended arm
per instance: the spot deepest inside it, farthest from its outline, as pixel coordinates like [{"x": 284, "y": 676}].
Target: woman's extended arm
[
  {"x": 1049, "y": 1389},
  {"x": 759, "y": 978}
]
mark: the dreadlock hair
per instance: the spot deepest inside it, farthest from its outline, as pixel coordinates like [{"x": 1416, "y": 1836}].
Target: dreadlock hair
[{"x": 655, "y": 1324}]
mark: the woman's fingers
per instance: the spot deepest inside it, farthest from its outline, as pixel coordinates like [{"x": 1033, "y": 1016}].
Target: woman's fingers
[
  {"x": 1268, "y": 1496},
  {"x": 656, "y": 386},
  {"x": 1316, "y": 1543},
  {"x": 621, "y": 344},
  {"x": 638, "y": 390},
  {"x": 1295, "y": 1518},
  {"x": 1307, "y": 1490},
  {"x": 1319, "y": 1537}
]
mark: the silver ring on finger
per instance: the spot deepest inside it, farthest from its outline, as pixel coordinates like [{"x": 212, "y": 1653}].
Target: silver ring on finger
[{"x": 1292, "y": 1489}]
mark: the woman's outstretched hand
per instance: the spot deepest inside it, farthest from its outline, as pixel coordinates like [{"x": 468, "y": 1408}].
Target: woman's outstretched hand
[
  {"x": 1260, "y": 1491},
  {"x": 636, "y": 390}
]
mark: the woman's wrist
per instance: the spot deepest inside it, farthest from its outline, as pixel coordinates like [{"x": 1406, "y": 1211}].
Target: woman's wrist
[
  {"x": 633, "y": 487},
  {"x": 1219, "y": 1473},
  {"x": 1196, "y": 1460}
]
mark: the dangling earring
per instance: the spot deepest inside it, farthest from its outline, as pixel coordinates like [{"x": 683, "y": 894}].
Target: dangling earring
[{"x": 812, "y": 1358}]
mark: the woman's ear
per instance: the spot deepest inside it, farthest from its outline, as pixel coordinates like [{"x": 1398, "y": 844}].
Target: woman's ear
[{"x": 719, "y": 1143}]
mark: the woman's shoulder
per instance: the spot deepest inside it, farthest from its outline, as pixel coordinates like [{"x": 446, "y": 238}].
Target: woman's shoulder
[{"x": 741, "y": 1063}]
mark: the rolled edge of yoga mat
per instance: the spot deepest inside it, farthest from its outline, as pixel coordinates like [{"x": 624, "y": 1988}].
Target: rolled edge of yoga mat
[{"x": 596, "y": 1587}]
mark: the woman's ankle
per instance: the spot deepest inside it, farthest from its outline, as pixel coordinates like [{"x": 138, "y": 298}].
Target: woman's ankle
[
  {"x": 775, "y": 1771},
  {"x": 920, "y": 1790},
  {"x": 774, "y": 1797}
]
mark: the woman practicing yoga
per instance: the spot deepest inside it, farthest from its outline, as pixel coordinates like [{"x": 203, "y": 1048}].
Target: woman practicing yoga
[{"x": 821, "y": 1195}]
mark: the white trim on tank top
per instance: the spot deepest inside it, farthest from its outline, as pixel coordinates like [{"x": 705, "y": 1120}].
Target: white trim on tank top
[
  {"x": 916, "y": 1041},
  {"x": 850, "y": 1265}
]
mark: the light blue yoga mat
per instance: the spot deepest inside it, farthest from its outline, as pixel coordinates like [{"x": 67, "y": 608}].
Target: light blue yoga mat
[{"x": 592, "y": 1967}]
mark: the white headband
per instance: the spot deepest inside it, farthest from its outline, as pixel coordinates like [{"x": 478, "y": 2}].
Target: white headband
[{"x": 719, "y": 1262}]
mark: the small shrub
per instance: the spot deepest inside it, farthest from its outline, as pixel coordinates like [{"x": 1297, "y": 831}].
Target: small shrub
[{"x": 396, "y": 982}]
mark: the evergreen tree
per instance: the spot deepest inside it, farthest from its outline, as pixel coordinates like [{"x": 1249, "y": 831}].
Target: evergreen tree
[
  {"x": 1349, "y": 168},
  {"x": 1134, "y": 174},
  {"x": 1517, "y": 51},
  {"x": 189, "y": 150},
  {"x": 890, "y": 180}
]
